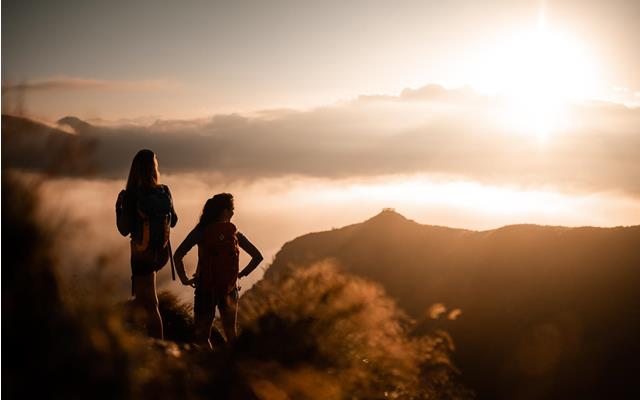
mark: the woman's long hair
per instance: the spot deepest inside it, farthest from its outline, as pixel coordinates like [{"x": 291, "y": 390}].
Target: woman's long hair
[
  {"x": 213, "y": 208},
  {"x": 144, "y": 171}
]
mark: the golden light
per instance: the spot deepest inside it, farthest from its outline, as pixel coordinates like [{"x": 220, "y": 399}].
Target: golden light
[{"x": 537, "y": 74}]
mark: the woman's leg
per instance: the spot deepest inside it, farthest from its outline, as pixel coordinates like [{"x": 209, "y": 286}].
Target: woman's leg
[{"x": 147, "y": 299}]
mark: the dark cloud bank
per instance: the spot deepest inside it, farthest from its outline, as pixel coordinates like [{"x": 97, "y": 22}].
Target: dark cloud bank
[{"x": 428, "y": 130}]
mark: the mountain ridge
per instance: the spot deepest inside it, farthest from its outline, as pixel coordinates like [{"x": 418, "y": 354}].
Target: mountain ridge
[{"x": 399, "y": 217}]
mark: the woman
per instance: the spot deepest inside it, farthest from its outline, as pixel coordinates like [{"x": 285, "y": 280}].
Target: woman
[
  {"x": 145, "y": 210},
  {"x": 218, "y": 267}
]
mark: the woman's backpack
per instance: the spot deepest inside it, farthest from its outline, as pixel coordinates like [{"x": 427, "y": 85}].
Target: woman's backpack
[
  {"x": 154, "y": 210},
  {"x": 150, "y": 246}
]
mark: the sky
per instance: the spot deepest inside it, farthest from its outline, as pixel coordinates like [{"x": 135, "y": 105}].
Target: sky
[
  {"x": 166, "y": 59},
  {"x": 317, "y": 115}
]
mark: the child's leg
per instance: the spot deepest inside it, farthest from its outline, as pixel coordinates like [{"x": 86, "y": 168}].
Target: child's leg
[
  {"x": 228, "y": 306},
  {"x": 204, "y": 311}
]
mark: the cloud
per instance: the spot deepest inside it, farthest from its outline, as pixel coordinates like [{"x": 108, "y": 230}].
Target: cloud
[
  {"x": 447, "y": 132},
  {"x": 63, "y": 83},
  {"x": 428, "y": 93}
]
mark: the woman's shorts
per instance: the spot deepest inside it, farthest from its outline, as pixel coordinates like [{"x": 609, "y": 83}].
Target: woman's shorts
[{"x": 148, "y": 261}]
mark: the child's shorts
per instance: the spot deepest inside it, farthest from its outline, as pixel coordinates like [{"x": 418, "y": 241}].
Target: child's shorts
[{"x": 206, "y": 300}]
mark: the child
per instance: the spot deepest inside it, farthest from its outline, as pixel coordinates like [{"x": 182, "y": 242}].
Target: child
[{"x": 218, "y": 266}]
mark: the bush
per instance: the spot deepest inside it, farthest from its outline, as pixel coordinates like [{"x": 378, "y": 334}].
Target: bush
[{"x": 316, "y": 333}]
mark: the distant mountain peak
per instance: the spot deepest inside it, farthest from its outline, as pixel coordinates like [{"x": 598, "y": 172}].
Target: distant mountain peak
[
  {"x": 75, "y": 123},
  {"x": 388, "y": 215}
]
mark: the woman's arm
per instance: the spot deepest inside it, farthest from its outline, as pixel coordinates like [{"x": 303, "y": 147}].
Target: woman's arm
[
  {"x": 256, "y": 257},
  {"x": 186, "y": 245}
]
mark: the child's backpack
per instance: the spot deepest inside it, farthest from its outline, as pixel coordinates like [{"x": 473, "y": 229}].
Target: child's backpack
[
  {"x": 218, "y": 255},
  {"x": 151, "y": 247}
]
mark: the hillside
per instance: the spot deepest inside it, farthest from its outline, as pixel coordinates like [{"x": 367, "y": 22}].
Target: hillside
[
  {"x": 31, "y": 145},
  {"x": 545, "y": 312},
  {"x": 315, "y": 334}
]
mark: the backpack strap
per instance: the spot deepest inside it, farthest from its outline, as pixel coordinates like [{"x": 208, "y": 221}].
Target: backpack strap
[{"x": 173, "y": 266}]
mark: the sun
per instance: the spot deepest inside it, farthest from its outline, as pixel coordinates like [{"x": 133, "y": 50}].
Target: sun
[{"x": 537, "y": 74}]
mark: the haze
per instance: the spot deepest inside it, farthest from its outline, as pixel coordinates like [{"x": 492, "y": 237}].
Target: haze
[{"x": 317, "y": 115}]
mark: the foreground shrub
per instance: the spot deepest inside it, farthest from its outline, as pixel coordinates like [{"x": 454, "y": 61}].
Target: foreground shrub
[{"x": 316, "y": 333}]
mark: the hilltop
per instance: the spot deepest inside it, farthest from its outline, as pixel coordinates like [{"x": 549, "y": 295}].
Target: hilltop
[{"x": 542, "y": 311}]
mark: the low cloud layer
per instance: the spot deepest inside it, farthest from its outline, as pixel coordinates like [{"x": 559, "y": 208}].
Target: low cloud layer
[
  {"x": 431, "y": 130},
  {"x": 63, "y": 83}
]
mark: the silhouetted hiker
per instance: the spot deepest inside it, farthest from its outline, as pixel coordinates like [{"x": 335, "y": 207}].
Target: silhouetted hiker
[
  {"x": 145, "y": 210},
  {"x": 217, "y": 273}
]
